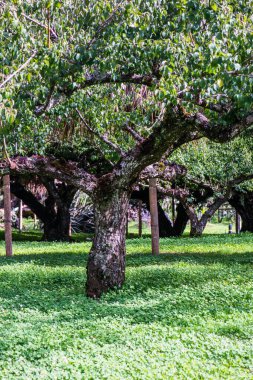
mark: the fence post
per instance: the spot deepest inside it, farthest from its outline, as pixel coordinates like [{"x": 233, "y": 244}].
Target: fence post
[
  {"x": 127, "y": 224},
  {"x": 237, "y": 222},
  {"x": 20, "y": 224},
  {"x": 7, "y": 214},
  {"x": 154, "y": 216},
  {"x": 140, "y": 218}
]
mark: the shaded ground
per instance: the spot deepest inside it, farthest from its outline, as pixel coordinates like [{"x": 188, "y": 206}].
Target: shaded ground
[{"x": 186, "y": 314}]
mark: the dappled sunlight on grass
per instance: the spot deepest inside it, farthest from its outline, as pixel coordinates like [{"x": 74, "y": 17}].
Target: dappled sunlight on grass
[{"x": 185, "y": 314}]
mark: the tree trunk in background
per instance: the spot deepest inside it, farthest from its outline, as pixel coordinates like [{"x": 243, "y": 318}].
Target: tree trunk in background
[
  {"x": 180, "y": 221},
  {"x": 173, "y": 213},
  {"x": 54, "y": 215},
  {"x": 197, "y": 227},
  {"x": 154, "y": 216},
  {"x": 7, "y": 215},
  {"x": 58, "y": 227},
  {"x": 243, "y": 203},
  {"x": 166, "y": 228},
  {"x": 106, "y": 262},
  {"x": 165, "y": 225}
]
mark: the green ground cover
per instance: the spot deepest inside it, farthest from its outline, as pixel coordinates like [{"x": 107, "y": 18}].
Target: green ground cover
[
  {"x": 211, "y": 228},
  {"x": 186, "y": 314}
]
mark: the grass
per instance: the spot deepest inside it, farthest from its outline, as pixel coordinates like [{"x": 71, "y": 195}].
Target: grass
[
  {"x": 211, "y": 228},
  {"x": 186, "y": 314}
]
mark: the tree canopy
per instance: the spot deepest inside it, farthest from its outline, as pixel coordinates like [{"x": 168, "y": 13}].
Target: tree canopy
[
  {"x": 128, "y": 81},
  {"x": 198, "y": 53}
]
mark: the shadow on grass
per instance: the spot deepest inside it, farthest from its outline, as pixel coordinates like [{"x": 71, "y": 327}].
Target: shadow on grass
[
  {"x": 64, "y": 258},
  {"x": 53, "y": 259},
  {"x": 36, "y": 235},
  {"x": 23, "y": 236},
  {"x": 54, "y": 281},
  {"x": 173, "y": 295}
]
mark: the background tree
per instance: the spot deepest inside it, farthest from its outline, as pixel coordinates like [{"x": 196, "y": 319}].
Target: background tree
[
  {"x": 242, "y": 201},
  {"x": 167, "y": 227},
  {"x": 214, "y": 173},
  {"x": 54, "y": 212}
]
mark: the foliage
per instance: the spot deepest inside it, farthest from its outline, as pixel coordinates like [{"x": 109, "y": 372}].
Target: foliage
[
  {"x": 186, "y": 314},
  {"x": 190, "y": 49},
  {"x": 215, "y": 164}
]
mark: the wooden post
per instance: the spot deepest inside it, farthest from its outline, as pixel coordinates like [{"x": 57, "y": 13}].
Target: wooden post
[
  {"x": 20, "y": 224},
  {"x": 173, "y": 209},
  {"x": 7, "y": 215},
  {"x": 34, "y": 221},
  {"x": 127, "y": 224},
  {"x": 140, "y": 218},
  {"x": 237, "y": 222},
  {"x": 154, "y": 216}
]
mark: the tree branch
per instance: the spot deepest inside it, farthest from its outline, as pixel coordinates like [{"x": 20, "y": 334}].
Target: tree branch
[
  {"x": 133, "y": 133},
  {"x": 174, "y": 129},
  {"x": 53, "y": 34},
  {"x": 29, "y": 199},
  {"x": 163, "y": 170},
  {"x": 106, "y": 23},
  {"x": 50, "y": 167},
  {"x": 221, "y": 133},
  {"x": 26, "y": 63},
  {"x": 101, "y": 137}
]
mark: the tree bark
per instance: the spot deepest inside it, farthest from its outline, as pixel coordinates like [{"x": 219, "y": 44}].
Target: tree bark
[
  {"x": 55, "y": 214},
  {"x": 106, "y": 263},
  {"x": 197, "y": 227},
  {"x": 243, "y": 203},
  {"x": 57, "y": 228}
]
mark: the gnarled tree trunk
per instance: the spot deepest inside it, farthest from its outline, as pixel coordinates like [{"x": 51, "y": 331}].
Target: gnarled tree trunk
[
  {"x": 197, "y": 227},
  {"x": 243, "y": 203},
  {"x": 55, "y": 214},
  {"x": 56, "y": 223},
  {"x": 180, "y": 221},
  {"x": 106, "y": 263}
]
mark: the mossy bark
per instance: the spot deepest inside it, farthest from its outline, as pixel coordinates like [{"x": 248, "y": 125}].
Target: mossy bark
[{"x": 106, "y": 263}]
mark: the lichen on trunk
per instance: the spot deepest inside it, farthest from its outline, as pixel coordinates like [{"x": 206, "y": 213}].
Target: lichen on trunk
[{"x": 106, "y": 263}]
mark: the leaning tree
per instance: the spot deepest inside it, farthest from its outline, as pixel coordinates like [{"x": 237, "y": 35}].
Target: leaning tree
[
  {"x": 187, "y": 64},
  {"x": 215, "y": 173},
  {"x": 54, "y": 210}
]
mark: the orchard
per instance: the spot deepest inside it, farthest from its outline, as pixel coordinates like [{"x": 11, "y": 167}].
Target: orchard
[{"x": 127, "y": 131}]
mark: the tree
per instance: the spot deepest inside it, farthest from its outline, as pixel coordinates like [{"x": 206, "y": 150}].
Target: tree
[
  {"x": 54, "y": 213},
  {"x": 167, "y": 228},
  {"x": 215, "y": 172},
  {"x": 189, "y": 66},
  {"x": 242, "y": 201}
]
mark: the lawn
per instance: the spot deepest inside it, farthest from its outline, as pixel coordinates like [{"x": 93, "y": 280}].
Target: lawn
[
  {"x": 211, "y": 228},
  {"x": 186, "y": 314}
]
